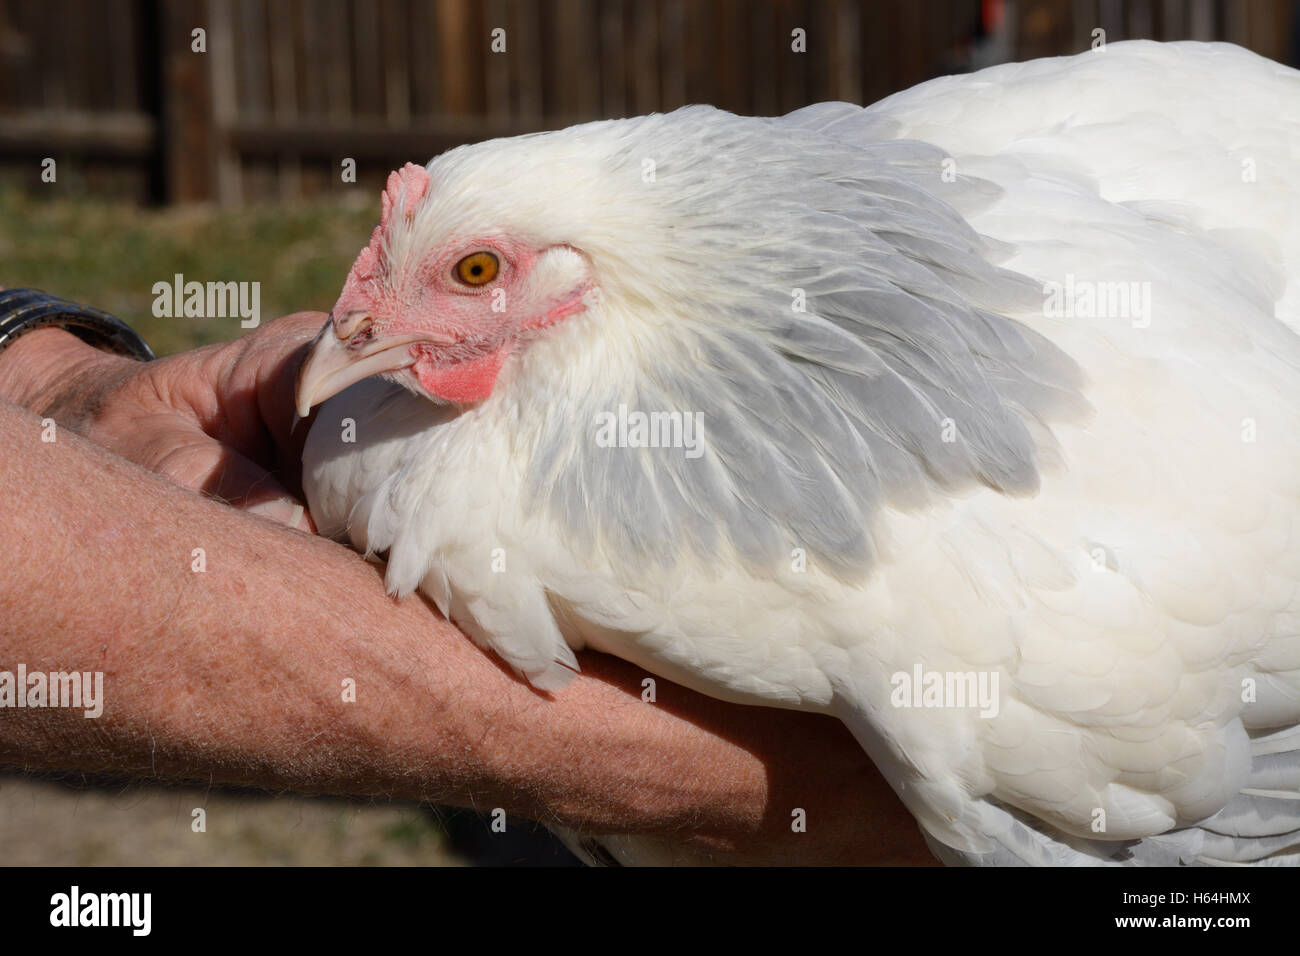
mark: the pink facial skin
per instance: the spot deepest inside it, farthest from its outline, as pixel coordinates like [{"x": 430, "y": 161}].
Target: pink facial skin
[{"x": 469, "y": 339}]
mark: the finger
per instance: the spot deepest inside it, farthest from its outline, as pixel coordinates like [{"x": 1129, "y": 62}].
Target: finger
[
  {"x": 288, "y": 511},
  {"x": 277, "y": 359},
  {"x": 242, "y": 393},
  {"x": 247, "y": 485},
  {"x": 193, "y": 459},
  {"x": 278, "y": 373}
]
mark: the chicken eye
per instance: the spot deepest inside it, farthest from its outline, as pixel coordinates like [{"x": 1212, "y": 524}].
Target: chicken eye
[{"x": 477, "y": 268}]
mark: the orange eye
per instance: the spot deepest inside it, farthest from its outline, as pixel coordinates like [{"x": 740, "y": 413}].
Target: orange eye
[{"x": 477, "y": 268}]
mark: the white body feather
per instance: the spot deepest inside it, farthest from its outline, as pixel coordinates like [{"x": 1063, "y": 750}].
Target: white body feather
[{"x": 1141, "y": 609}]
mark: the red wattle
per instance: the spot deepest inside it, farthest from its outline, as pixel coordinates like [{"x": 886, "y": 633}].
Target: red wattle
[{"x": 468, "y": 381}]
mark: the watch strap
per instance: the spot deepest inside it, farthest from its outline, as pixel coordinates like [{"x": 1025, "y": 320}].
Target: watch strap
[{"x": 22, "y": 310}]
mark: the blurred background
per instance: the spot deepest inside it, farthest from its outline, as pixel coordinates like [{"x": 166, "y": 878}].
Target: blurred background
[
  {"x": 288, "y": 88},
  {"x": 221, "y": 155}
]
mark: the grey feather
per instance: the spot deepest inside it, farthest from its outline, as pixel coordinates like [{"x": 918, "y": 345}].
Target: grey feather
[{"x": 905, "y": 375}]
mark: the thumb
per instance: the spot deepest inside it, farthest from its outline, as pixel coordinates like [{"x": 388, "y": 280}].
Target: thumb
[
  {"x": 247, "y": 485},
  {"x": 195, "y": 460},
  {"x": 285, "y": 510}
]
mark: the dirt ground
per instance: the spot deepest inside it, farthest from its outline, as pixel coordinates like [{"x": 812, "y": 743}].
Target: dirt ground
[{"x": 45, "y": 822}]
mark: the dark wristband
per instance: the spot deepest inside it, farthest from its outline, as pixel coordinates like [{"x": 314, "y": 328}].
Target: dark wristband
[{"x": 22, "y": 310}]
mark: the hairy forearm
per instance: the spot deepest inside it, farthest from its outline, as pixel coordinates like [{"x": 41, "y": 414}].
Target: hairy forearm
[{"x": 228, "y": 671}]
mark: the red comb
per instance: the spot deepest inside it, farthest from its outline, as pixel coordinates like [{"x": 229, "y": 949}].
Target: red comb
[
  {"x": 411, "y": 181},
  {"x": 407, "y": 185}
]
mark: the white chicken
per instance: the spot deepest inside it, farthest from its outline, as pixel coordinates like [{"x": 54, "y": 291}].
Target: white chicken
[{"x": 971, "y": 417}]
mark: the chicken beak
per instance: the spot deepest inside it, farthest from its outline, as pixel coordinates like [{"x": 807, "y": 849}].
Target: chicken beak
[{"x": 332, "y": 364}]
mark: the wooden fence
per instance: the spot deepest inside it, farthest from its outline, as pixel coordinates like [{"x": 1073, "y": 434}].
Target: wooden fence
[{"x": 285, "y": 89}]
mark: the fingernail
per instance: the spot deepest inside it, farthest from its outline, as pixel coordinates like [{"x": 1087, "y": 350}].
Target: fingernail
[{"x": 284, "y": 510}]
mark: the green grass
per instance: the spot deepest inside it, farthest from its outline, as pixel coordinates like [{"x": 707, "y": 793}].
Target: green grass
[{"x": 109, "y": 255}]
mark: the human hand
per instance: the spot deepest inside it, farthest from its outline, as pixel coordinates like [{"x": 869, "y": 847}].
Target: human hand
[
  {"x": 693, "y": 780},
  {"x": 217, "y": 419}
]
